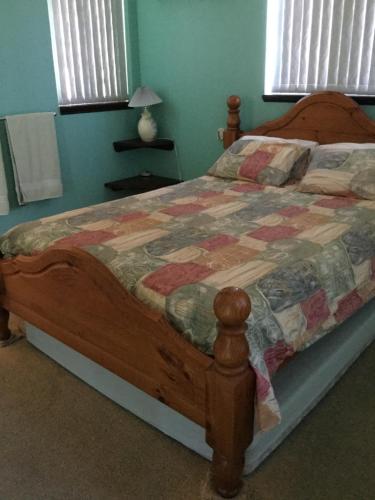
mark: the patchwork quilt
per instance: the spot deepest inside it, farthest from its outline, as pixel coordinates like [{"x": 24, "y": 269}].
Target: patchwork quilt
[{"x": 307, "y": 261}]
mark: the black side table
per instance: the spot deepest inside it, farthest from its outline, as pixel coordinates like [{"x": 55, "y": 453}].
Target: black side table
[{"x": 142, "y": 183}]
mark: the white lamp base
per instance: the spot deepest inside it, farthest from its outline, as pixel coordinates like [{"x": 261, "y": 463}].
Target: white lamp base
[{"x": 147, "y": 128}]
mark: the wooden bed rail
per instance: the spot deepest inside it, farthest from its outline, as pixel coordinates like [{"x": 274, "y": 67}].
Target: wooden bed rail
[{"x": 73, "y": 297}]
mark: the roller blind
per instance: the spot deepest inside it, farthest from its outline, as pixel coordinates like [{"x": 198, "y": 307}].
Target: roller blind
[
  {"x": 88, "y": 39},
  {"x": 320, "y": 44}
]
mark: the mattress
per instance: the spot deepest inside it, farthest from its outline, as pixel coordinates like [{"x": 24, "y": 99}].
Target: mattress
[{"x": 307, "y": 261}]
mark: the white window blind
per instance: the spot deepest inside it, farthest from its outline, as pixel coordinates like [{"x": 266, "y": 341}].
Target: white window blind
[
  {"x": 88, "y": 38},
  {"x": 320, "y": 44}
]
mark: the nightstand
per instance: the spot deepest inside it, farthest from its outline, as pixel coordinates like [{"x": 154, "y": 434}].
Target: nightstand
[
  {"x": 128, "y": 144},
  {"x": 142, "y": 183}
]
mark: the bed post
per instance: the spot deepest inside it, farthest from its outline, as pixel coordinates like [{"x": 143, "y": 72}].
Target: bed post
[
  {"x": 5, "y": 334},
  {"x": 230, "y": 392},
  {"x": 232, "y": 132}
]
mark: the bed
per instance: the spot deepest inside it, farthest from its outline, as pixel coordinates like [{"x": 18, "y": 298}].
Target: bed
[{"x": 86, "y": 312}]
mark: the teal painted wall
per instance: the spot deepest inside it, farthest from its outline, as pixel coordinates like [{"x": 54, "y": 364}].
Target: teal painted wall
[
  {"x": 195, "y": 53},
  {"x": 192, "y": 52},
  {"x": 27, "y": 84}
]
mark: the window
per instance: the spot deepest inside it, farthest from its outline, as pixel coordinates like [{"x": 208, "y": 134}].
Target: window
[
  {"x": 320, "y": 45},
  {"x": 89, "y": 50}
]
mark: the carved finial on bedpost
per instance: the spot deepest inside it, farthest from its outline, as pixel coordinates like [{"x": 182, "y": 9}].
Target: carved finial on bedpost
[
  {"x": 232, "y": 132},
  {"x": 232, "y": 308},
  {"x": 231, "y": 390}
]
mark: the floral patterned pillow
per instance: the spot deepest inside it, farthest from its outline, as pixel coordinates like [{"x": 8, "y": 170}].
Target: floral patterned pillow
[
  {"x": 341, "y": 172},
  {"x": 271, "y": 163}
]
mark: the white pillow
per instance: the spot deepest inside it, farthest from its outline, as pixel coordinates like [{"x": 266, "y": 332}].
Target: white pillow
[
  {"x": 348, "y": 146},
  {"x": 266, "y": 138}
]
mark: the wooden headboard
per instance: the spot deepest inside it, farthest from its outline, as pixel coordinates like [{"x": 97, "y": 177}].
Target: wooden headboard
[{"x": 325, "y": 117}]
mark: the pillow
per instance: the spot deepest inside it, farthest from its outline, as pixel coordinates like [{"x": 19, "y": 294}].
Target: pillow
[
  {"x": 266, "y": 138},
  {"x": 343, "y": 169},
  {"x": 264, "y": 162},
  {"x": 350, "y": 146}
]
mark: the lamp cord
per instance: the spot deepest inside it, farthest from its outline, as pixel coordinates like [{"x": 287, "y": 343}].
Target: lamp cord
[{"x": 178, "y": 164}]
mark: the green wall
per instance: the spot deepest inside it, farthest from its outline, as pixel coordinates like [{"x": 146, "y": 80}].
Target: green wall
[
  {"x": 195, "y": 53},
  {"x": 27, "y": 84}
]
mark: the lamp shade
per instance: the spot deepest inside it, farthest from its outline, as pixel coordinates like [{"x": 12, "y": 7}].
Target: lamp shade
[{"x": 143, "y": 97}]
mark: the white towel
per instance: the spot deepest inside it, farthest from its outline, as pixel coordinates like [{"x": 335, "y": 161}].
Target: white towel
[
  {"x": 4, "y": 202},
  {"x": 35, "y": 159}
]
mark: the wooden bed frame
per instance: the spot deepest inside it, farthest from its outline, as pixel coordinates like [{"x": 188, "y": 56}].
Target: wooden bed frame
[{"x": 73, "y": 297}]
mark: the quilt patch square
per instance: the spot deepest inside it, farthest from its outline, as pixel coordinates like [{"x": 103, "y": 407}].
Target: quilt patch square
[
  {"x": 209, "y": 194},
  {"x": 347, "y": 306},
  {"x": 183, "y": 209},
  {"x": 168, "y": 278},
  {"x": 254, "y": 164},
  {"x": 276, "y": 355},
  {"x": 248, "y": 187},
  {"x": 84, "y": 238},
  {"x": 214, "y": 201},
  {"x": 292, "y": 211},
  {"x": 131, "y": 216},
  {"x": 227, "y": 257},
  {"x": 219, "y": 241},
  {"x": 135, "y": 226},
  {"x": 273, "y": 233},
  {"x": 307, "y": 220},
  {"x": 337, "y": 202},
  {"x": 316, "y": 309}
]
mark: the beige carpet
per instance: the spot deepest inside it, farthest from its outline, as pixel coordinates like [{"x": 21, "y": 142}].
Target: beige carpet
[{"x": 60, "y": 439}]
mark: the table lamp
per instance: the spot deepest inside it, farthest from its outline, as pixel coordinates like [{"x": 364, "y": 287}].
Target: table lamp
[{"x": 143, "y": 98}]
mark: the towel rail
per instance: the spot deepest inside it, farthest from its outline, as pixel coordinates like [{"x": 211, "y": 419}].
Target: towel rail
[{"x": 2, "y": 118}]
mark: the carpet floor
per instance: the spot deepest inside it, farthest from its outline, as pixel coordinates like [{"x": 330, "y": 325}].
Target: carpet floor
[{"x": 61, "y": 440}]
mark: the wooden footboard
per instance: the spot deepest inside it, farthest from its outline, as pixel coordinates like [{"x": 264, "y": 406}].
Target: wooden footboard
[{"x": 72, "y": 296}]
